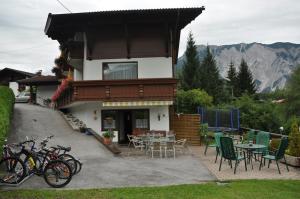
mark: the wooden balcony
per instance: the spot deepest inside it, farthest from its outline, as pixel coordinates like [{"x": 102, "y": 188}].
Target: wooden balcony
[{"x": 118, "y": 90}]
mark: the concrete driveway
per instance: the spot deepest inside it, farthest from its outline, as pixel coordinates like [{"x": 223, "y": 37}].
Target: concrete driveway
[{"x": 101, "y": 168}]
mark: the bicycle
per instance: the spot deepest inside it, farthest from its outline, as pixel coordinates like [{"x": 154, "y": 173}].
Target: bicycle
[{"x": 57, "y": 173}]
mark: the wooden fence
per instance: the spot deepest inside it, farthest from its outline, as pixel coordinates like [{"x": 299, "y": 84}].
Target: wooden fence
[{"x": 186, "y": 126}]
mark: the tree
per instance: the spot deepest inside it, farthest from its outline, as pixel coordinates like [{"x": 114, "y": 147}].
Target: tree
[
  {"x": 188, "y": 101},
  {"x": 245, "y": 80},
  {"x": 190, "y": 66},
  {"x": 294, "y": 138},
  {"x": 232, "y": 76},
  {"x": 210, "y": 80},
  {"x": 293, "y": 93}
]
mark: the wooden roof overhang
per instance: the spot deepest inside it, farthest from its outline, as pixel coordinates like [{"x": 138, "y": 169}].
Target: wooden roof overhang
[
  {"x": 62, "y": 27},
  {"x": 14, "y": 71},
  {"x": 40, "y": 81}
]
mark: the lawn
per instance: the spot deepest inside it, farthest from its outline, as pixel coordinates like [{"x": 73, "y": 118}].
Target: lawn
[{"x": 237, "y": 189}]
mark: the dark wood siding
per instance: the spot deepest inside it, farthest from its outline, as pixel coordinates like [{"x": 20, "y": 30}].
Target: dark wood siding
[
  {"x": 147, "y": 41},
  {"x": 126, "y": 41}
]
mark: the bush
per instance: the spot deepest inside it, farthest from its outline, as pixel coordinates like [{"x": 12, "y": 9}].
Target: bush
[
  {"x": 7, "y": 100},
  {"x": 188, "y": 101},
  {"x": 262, "y": 115},
  {"x": 294, "y": 140}
]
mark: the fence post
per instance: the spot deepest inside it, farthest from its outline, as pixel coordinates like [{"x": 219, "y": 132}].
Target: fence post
[
  {"x": 216, "y": 122},
  {"x": 231, "y": 118}
]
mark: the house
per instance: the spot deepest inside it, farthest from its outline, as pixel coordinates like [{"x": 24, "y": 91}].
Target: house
[
  {"x": 9, "y": 77},
  {"x": 45, "y": 86},
  {"x": 123, "y": 66}
]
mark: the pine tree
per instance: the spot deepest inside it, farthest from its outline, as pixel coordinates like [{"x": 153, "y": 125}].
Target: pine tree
[
  {"x": 232, "y": 76},
  {"x": 209, "y": 77},
  {"x": 190, "y": 66},
  {"x": 294, "y": 140},
  {"x": 293, "y": 93},
  {"x": 245, "y": 79}
]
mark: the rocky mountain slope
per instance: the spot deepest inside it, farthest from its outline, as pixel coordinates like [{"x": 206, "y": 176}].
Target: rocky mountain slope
[{"x": 270, "y": 64}]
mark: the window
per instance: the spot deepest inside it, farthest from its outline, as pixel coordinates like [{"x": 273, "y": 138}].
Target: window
[
  {"x": 109, "y": 119},
  {"x": 141, "y": 119},
  {"x": 115, "y": 71}
]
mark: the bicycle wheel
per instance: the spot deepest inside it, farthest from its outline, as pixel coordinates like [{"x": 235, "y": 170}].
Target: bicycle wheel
[
  {"x": 79, "y": 166},
  {"x": 57, "y": 173},
  {"x": 12, "y": 170},
  {"x": 70, "y": 160}
]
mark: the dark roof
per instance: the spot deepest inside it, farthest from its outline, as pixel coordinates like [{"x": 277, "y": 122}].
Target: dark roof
[
  {"x": 58, "y": 23},
  {"x": 17, "y": 71},
  {"x": 40, "y": 80}
]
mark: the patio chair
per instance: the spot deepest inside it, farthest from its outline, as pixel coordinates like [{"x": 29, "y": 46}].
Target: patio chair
[
  {"x": 130, "y": 139},
  {"x": 262, "y": 138},
  {"x": 278, "y": 155},
  {"x": 218, "y": 135},
  {"x": 180, "y": 145},
  {"x": 138, "y": 144},
  {"x": 155, "y": 147},
  {"x": 228, "y": 153},
  {"x": 250, "y": 136},
  {"x": 169, "y": 147}
]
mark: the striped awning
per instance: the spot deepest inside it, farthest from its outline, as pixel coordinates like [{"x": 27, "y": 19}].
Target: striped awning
[{"x": 137, "y": 103}]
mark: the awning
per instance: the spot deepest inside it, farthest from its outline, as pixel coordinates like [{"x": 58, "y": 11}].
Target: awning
[{"x": 137, "y": 103}]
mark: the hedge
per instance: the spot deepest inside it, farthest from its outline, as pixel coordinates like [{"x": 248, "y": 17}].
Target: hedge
[{"x": 7, "y": 100}]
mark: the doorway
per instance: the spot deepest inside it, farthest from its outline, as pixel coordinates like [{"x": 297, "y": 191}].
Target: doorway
[
  {"x": 125, "y": 125},
  {"x": 125, "y": 121}
]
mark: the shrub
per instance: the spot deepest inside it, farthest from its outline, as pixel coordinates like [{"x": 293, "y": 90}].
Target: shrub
[
  {"x": 294, "y": 140},
  {"x": 262, "y": 115},
  {"x": 7, "y": 100},
  {"x": 188, "y": 101}
]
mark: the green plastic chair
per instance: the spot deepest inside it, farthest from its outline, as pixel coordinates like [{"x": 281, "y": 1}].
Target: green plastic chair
[
  {"x": 250, "y": 136},
  {"x": 262, "y": 138},
  {"x": 278, "y": 155},
  {"x": 218, "y": 135},
  {"x": 228, "y": 153}
]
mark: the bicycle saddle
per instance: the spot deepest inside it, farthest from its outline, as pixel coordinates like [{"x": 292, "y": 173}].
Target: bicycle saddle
[{"x": 64, "y": 148}]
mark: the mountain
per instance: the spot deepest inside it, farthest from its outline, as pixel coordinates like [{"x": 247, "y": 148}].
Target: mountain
[{"x": 270, "y": 64}]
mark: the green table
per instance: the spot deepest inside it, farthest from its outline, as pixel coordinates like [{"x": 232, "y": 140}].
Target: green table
[{"x": 250, "y": 148}]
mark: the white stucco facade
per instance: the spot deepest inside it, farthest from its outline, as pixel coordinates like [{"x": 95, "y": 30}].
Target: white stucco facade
[
  {"x": 154, "y": 67},
  {"x": 78, "y": 76},
  {"x": 14, "y": 86},
  {"x": 90, "y": 114},
  {"x": 44, "y": 92}
]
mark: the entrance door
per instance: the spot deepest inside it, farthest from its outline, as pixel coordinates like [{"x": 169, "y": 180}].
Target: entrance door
[{"x": 126, "y": 119}]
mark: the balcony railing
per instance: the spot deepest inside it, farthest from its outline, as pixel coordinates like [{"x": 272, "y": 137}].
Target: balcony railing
[{"x": 118, "y": 90}]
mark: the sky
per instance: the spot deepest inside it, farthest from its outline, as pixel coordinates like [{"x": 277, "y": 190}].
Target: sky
[{"x": 24, "y": 46}]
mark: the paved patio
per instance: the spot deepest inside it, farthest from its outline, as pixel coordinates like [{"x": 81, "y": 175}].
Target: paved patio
[
  {"x": 100, "y": 167},
  {"x": 226, "y": 172}
]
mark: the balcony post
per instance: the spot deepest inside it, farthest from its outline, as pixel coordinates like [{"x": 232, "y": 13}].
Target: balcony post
[{"x": 141, "y": 90}]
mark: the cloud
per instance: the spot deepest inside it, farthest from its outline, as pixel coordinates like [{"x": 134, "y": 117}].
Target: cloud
[{"x": 24, "y": 45}]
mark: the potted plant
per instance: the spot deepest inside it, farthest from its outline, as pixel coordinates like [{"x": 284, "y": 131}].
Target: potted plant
[
  {"x": 108, "y": 136},
  {"x": 293, "y": 152},
  {"x": 82, "y": 128}
]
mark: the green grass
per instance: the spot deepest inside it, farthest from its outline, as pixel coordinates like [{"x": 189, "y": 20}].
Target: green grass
[{"x": 247, "y": 189}]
